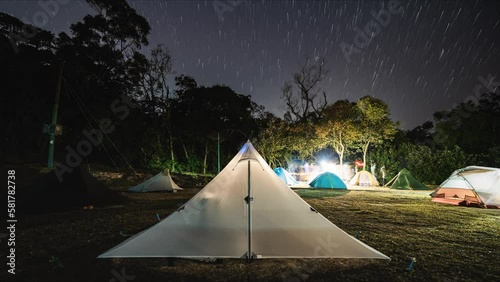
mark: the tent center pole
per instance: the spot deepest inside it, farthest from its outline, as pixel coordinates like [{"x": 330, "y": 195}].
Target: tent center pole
[{"x": 249, "y": 199}]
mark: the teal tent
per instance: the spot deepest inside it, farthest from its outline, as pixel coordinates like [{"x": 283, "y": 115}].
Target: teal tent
[
  {"x": 285, "y": 176},
  {"x": 328, "y": 180}
]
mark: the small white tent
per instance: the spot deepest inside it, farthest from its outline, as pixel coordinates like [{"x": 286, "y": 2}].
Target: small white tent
[
  {"x": 364, "y": 178},
  {"x": 475, "y": 185},
  {"x": 160, "y": 182},
  {"x": 246, "y": 211}
]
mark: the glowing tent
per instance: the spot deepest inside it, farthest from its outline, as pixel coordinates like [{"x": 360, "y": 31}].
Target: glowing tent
[
  {"x": 328, "y": 180},
  {"x": 246, "y": 211},
  {"x": 470, "y": 186},
  {"x": 405, "y": 181},
  {"x": 285, "y": 176},
  {"x": 363, "y": 178},
  {"x": 160, "y": 182}
]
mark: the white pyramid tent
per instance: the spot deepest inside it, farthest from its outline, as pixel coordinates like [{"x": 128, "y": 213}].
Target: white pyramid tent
[
  {"x": 245, "y": 211},
  {"x": 160, "y": 182},
  {"x": 471, "y": 185}
]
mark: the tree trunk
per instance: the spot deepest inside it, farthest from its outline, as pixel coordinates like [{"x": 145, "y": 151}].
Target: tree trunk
[
  {"x": 341, "y": 161},
  {"x": 205, "y": 159},
  {"x": 186, "y": 154},
  {"x": 341, "y": 156},
  {"x": 365, "y": 151},
  {"x": 172, "y": 155}
]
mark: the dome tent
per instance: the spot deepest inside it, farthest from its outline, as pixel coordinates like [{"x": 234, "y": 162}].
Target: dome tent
[
  {"x": 470, "y": 186},
  {"x": 328, "y": 180},
  {"x": 244, "y": 212},
  {"x": 364, "y": 178}
]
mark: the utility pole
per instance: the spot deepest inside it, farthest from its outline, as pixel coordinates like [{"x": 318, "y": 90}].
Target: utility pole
[
  {"x": 218, "y": 152},
  {"x": 52, "y": 128}
]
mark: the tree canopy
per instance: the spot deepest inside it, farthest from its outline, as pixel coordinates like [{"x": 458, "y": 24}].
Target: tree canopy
[{"x": 160, "y": 118}]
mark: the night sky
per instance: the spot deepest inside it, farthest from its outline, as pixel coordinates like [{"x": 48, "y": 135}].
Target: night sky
[{"x": 425, "y": 58}]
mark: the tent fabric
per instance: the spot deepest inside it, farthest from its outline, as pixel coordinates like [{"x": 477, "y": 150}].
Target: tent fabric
[
  {"x": 245, "y": 211},
  {"x": 160, "y": 182},
  {"x": 328, "y": 180},
  {"x": 364, "y": 178},
  {"x": 404, "y": 180},
  {"x": 285, "y": 176},
  {"x": 470, "y": 185}
]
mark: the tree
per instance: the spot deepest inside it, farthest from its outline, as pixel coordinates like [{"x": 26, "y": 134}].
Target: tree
[
  {"x": 472, "y": 126},
  {"x": 28, "y": 67},
  {"x": 338, "y": 128},
  {"x": 102, "y": 65},
  {"x": 374, "y": 125},
  {"x": 156, "y": 100},
  {"x": 303, "y": 95},
  {"x": 206, "y": 111},
  {"x": 421, "y": 134},
  {"x": 153, "y": 90},
  {"x": 272, "y": 140}
]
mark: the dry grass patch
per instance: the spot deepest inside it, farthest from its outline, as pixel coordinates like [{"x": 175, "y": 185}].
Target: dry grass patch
[{"x": 449, "y": 243}]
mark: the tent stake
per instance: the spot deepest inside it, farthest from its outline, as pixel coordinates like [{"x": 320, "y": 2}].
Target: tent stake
[
  {"x": 412, "y": 263},
  {"x": 357, "y": 234}
]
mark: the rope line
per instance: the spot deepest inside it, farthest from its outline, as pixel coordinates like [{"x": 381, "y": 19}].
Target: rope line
[
  {"x": 104, "y": 133},
  {"x": 73, "y": 95}
]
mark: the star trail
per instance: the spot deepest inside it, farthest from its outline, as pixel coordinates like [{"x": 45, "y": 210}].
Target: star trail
[{"x": 422, "y": 57}]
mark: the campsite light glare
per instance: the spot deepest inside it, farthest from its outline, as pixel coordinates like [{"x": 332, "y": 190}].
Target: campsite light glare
[{"x": 306, "y": 172}]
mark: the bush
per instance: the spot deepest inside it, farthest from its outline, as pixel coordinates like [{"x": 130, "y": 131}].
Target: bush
[{"x": 427, "y": 165}]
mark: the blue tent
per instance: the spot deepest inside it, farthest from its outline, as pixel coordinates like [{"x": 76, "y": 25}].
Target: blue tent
[
  {"x": 328, "y": 180},
  {"x": 285, "y": 176}
]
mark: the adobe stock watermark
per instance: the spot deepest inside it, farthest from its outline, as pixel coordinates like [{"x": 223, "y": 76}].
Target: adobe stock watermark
[
  {"x": 469, "y": 102},
  {"x": 364, "y": 37},
  {"x": 48, "y": 9},
  {"x": 223, "y": 6},
  {"x": 326, "y": 247},
  {"x": 485, "y": 85},
  {"x": 299, "y": 273},
  {"x": 94, "y": 137},
  {"x": 121, "y": 276},
  {"x": 194, "y": 208}
]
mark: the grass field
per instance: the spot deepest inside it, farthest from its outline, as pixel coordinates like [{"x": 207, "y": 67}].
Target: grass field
[{"x": 449, "y": 243}]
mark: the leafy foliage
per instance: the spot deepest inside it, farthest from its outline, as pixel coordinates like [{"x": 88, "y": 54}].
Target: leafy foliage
[{"x": 427, "y": 165}]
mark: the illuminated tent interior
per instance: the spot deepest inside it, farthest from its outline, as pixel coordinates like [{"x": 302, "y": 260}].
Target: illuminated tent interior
[
  {"x": 246, "y": 211},
  {"x": 328, "y": 180},
  {"x": 363, "y": 178},
  {"x": 160, "y": 182},
  {"x": 404, "y": 180},
  {"x": 470, "y": 186}
]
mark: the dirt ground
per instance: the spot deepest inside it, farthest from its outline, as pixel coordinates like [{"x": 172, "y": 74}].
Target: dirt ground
[{"x": 448, "y": 243}]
